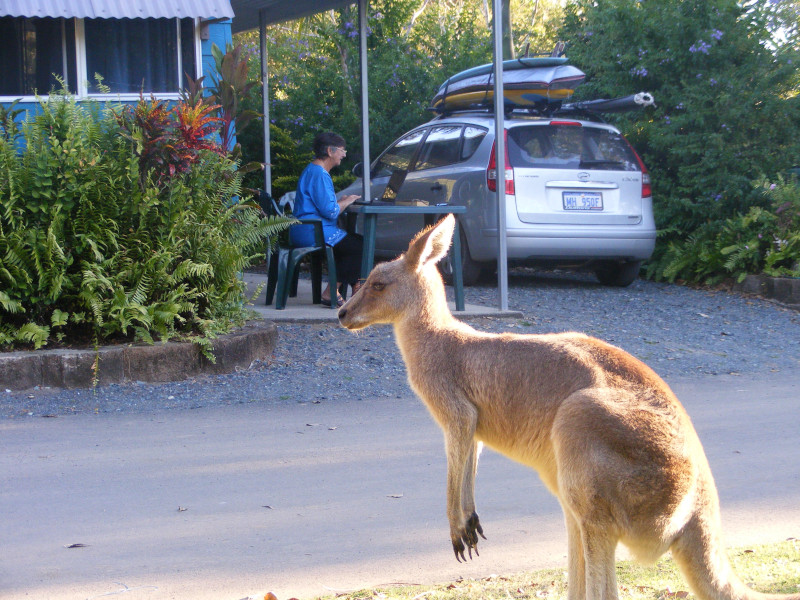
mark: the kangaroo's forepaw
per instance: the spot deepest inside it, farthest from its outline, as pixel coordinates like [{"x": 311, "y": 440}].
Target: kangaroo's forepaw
[{"x": 468, "y": 539}]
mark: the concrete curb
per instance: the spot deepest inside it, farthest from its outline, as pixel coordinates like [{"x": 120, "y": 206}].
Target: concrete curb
[
  {"x": 172, "y": 361},
  {"x": 785, "y": 290}
]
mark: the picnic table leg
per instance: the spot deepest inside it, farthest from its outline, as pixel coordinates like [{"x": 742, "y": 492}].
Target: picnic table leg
[
  {"x": 368, "y": 255},
  {"x": 458, "y": 279}
]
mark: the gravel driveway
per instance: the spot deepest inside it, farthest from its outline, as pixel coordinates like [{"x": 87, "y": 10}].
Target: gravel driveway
[{"x": 679, "y": 331}]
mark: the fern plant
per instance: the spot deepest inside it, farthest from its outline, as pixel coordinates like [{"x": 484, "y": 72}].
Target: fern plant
[{"x": 122, "y": 224}]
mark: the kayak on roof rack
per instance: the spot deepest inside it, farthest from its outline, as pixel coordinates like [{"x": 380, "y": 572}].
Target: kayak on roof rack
[{"x": 534, "y": 82}]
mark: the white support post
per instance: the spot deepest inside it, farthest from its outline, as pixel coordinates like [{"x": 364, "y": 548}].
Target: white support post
[
  {"x": 362, "y": 35},
  {"x": 262, "y": 38},
  {"x": 500, "y": 155}
]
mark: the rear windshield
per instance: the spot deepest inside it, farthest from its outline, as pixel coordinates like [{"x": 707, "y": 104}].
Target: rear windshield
[{"x": 569, "y": 147}]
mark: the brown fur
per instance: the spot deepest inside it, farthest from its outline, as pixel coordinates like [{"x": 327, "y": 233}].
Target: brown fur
[{"x": 605, "y": 433}]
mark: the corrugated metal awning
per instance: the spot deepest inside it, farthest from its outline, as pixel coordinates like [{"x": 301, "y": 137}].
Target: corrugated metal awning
[
  {"x": 276, "y": 11},
  {"x": 117, "y": 9}
]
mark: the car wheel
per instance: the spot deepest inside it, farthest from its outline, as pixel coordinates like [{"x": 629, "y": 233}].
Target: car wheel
[
  {"x": 470, "y": 269},
  {"x": 618, "y": 274}
]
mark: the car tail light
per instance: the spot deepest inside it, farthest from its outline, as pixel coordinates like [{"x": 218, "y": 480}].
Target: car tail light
[
  {"x": 567, "y": 123},
  {"x": 647, "y": 188},
  {"x": 491, "y": 170}
]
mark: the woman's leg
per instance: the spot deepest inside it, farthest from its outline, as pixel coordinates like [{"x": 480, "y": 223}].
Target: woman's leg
[{"x": 347, "y": 254}]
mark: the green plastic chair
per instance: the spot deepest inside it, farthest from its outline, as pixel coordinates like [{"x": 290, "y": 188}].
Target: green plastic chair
[{"x": 283, "y": 261}]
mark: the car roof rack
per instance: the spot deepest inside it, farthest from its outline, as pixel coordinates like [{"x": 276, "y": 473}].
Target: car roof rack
[
  {"x": 549, "y": 113},
  {"x": 590, "y": 110}
]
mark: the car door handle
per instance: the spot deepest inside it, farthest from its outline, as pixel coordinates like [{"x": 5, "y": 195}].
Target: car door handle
[{"x": 436, "y": 187}]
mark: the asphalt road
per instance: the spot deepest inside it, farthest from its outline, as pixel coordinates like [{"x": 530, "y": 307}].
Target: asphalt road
[{"x": 307, "y": 499}]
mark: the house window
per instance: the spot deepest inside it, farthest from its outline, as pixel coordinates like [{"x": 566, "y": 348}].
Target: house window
[
  {"x": 139, "y": 55},
  {"x": 34, "y": 54},
  {"x": 130, "y": 55}
]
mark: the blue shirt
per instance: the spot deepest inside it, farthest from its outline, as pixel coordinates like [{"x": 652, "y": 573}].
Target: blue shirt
[{"x": 316, "y": 199}]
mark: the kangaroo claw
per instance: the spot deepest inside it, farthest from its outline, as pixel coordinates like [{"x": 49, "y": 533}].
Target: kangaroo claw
[{"x": 468, "y": 539}]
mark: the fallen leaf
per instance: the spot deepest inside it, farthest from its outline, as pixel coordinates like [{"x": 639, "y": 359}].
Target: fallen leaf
[
  {"x": 332, "y": 428},
  {"x": 270, "y": 596},
  {"x": 266, "y": 506},
  {"x": 395, "y": 496},
  {"x": 77, "y": 546},
  {"x": 181, "y": 509}
]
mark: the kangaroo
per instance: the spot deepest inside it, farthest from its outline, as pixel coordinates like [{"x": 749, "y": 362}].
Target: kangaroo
[{"x": 606, "y": 434}]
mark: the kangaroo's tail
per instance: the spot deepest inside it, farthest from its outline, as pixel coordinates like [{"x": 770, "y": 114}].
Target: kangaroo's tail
[{"x": 704, "y": 562}]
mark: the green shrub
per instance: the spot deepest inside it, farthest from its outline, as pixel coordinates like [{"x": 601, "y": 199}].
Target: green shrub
[
  {"x": 122, "y": 223},
  {"x": 762, "y": 240},
  {"x": 724, "y": 77}
]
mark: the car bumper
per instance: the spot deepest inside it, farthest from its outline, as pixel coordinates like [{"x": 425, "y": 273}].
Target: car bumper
[{"x": 533, "y": 243}]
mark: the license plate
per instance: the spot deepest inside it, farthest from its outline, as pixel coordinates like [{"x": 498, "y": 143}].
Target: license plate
[{"x": 582, "y": 200}]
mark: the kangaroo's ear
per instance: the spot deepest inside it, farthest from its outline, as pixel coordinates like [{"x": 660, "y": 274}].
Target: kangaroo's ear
[{"x": 430, "y": 245}]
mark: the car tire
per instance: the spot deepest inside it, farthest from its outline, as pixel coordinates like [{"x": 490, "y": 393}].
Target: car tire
[
  {"x": 618, "y": 274},
  {"x": 470, "y": 269}
]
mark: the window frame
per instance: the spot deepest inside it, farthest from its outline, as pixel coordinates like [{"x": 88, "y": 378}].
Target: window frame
[{"x": 80, "y": 88}]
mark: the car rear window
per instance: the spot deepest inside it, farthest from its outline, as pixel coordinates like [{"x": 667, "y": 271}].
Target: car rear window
[{"x": 569, "y": 147}]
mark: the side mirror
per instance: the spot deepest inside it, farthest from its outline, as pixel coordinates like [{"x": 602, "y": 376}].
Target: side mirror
[{"x": 358, "y": 170}]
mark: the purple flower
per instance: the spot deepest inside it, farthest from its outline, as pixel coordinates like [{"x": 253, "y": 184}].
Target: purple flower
[
  {"x": 717, "y": 34},
  {"x": 712, "y": 81},
  {"x": 667, "y": 121},
  {"x": 700, "y": 46},
  {"x": 639, "y": 72},
  {"x": 773, "y": 186}
]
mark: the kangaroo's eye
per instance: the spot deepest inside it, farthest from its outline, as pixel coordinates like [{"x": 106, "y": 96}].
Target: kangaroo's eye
[{"x": 378, "y": 286}]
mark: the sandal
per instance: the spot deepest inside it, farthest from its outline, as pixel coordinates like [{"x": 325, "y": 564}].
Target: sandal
[{"x": 327, "y": 301}]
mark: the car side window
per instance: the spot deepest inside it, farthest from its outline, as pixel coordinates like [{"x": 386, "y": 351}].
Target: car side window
[
  {"x": 441, "y": 147},
  {"x": 398, "y": 156},
  {"x": 473, "y": 136}
]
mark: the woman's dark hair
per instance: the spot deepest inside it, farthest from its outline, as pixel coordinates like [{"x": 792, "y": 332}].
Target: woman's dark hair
[{"x": 324, "y": 140}]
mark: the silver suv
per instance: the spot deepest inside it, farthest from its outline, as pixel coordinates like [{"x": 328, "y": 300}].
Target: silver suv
[{"x": 577, "y": 194}]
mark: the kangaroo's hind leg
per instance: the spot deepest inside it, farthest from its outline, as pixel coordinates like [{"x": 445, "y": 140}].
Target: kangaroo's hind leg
[{"x": 586, "y": 473}]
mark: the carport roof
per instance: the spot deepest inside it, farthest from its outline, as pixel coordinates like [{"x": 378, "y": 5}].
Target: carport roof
[
  {"x": 276, "y": 11},
  {"x": 119, "y": 9}
]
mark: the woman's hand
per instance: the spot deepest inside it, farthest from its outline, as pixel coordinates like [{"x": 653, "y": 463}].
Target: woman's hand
[{"x": 346, "y": 201}]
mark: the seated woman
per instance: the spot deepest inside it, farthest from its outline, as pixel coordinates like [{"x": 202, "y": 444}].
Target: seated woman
[{"x": 316, "y": 199}]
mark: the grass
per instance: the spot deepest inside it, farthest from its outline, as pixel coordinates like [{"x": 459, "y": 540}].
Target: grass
[{"x": 773, "y": 568}]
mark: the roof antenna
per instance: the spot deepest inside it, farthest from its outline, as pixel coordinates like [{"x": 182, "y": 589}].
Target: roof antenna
[{"x": 527, "y": 49}]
